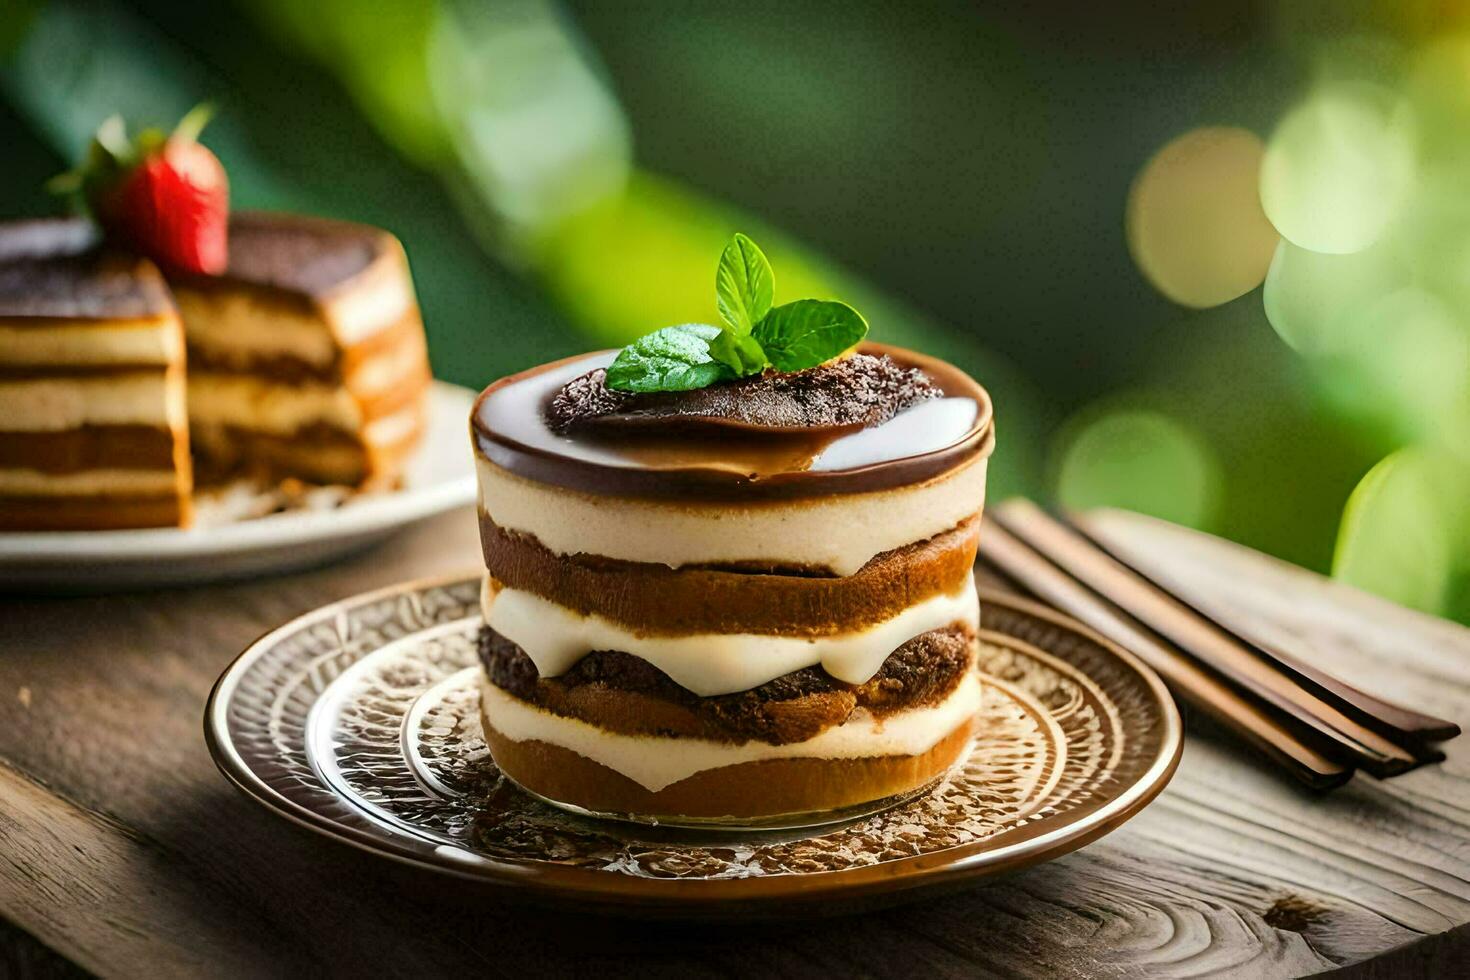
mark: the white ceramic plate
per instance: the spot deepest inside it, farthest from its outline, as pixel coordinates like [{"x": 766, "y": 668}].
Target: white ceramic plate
[{"x": 439, "y": 477}]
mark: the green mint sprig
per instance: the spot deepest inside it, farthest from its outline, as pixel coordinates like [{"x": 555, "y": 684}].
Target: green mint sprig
[{"x": 755, "y": 335}]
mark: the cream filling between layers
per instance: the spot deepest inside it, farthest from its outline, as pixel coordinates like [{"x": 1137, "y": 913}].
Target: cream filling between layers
[
  {"x": 235, "y": 323},
  {"x": 656, "y": 763},
  {"x": 241, "y": 326},
  {"x": 152, "y": 341},
  {"x": 154, "y": 397},
  {"x": 390, "y": 430},
  {"x": 252, "y": 402},
  {"x": 33, "y": 483},
  {"x": 377, "y": 299},
  {"x": 840, "y": 532},
  {"x": 707, "y": 664}
]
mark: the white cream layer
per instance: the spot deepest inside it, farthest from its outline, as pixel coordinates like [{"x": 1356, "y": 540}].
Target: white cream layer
[
  {"x": 58, "y": 404},
  {"x": 374, "y": 301},
  {"x": 656, "y": 763},
  {"x": 236, "y": 325},
  {"x": 33, "y": 483},
  {"x": 389, "y": 430},
  {"x": 840, "y": 532},
  {"x": 156, "y": 341},
  {"x": 259, "y": 403},
  {"x": 555, "y": 638}
]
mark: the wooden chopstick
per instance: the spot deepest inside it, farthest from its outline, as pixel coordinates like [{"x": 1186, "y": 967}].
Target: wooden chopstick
[
  {"x": 1393, "y": 721},
  {"x": 1309, "y": 758},
  {"x": 1203, "y": 641}
]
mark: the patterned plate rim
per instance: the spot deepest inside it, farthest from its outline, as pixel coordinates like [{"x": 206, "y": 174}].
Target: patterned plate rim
[{"x": 935, "y": 869}]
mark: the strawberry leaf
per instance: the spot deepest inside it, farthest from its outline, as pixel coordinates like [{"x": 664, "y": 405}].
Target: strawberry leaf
[{"x": 193, "y": 123}]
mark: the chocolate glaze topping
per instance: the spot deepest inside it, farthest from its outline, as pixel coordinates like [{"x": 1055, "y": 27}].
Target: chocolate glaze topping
[
  {"x": 50, "y": 269},
  {"x": 293, "y": 254},
  {"x": 855, "y": 392},
  {"x": 43, "y": 238},
  {"x": 883, "y": 418}
]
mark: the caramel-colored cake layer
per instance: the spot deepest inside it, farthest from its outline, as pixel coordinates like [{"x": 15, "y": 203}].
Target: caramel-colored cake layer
[
  {"x": 765, "y": 788},
  {"x": 408, "y": 389},
  {"x": 655, "y": 599},
  {"x": 89, "y": 447},
  {"x": 622, "y": 693},
  {"x": 91, "y": 512}
]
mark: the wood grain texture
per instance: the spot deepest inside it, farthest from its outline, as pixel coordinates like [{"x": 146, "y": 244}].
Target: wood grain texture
[{"x": 123, "y": 849}]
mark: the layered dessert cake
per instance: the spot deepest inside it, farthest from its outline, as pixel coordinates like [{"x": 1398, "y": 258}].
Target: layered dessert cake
[
  {"x": 306, "y": 355},
  {"x": 304, "y": 359},
  {"x": 93, "y": 427},
  {"x": 750, "y": 602}
]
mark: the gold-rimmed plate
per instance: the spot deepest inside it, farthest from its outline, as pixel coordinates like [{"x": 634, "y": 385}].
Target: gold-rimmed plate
[{"x": 359, "y": 720}]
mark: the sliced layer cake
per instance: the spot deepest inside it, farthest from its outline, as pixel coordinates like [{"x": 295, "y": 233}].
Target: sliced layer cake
[
  {"x": 93, "y": 430},
  {"x": 306, "y": 357},
  {"x": 305, "y": 360}
]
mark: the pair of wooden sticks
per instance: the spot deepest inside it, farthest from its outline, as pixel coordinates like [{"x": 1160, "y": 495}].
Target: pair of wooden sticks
[{"x": 1319, "y": 727}]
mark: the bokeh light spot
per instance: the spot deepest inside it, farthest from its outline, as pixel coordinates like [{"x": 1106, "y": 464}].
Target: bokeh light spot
[
  {"x": 1308, "y": 294},
  {"x": 1438, "y": 90},
  {"x": 1404, "y": 361},
  {"x": 1195, "y": 224},
  {"x": 1140, "y": 460},
  {"x": 1337, "y": 169},
  {"x": 1406, "y": 529}
]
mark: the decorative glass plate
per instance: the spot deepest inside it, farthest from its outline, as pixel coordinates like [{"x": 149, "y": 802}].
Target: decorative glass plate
[{"x": 360, "y": 721}]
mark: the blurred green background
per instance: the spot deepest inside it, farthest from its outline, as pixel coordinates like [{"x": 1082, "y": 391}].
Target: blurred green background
[{"x": 1080, "y": 207}]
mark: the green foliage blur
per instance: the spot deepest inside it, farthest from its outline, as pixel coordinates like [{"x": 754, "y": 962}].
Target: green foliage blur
[{"x": 564, "y": 175}]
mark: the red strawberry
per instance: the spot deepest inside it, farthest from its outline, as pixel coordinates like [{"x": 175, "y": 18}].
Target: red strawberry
[{"x": 165, "y": 196}]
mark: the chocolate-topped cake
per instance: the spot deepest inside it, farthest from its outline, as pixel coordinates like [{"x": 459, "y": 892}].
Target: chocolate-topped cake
[
  {"x": 306, "y": 355},
  {"x": 284, "y": 351},
  {"x": 93, "y": 430},
  {"x": 304, "y": 359},
  {"x": 743, "y": 597}
]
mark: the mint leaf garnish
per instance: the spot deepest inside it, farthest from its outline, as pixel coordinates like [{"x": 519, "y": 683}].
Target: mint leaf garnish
[
  {"x": 672, "y": 359},
  {"x": 744, "y": 285},
  {"x": 755, "y": 337},
  {"x": 739, "y": 351},
  {"x": 807, "y": 332}
]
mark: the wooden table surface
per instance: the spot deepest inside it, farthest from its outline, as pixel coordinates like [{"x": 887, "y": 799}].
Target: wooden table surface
[{"x": 125, "y": 852}]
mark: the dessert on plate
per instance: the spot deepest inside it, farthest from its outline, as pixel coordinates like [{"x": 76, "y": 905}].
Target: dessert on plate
[
  {"x": 182, "y": 347},
  {"x": 93, "y": 428},
  {"x": 306, "y": 354},
  {"x": 729, "y": 569}
]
